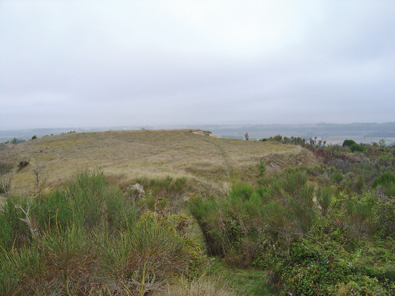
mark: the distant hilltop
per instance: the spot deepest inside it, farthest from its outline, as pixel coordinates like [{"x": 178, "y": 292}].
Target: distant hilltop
[
  {"x": 202, "y": 133},
  {"x": 207, "y": 161}
]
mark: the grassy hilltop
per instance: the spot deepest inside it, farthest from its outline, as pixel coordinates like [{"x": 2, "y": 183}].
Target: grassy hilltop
[{"x": 126, "y": 155}]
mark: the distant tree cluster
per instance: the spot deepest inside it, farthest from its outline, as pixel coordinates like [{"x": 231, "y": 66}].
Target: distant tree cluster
[
  {"x": 313, "y": 142},
  {"x": 15, "y": 141}
]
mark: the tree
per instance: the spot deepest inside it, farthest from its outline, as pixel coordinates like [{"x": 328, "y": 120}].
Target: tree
[
  {"x": 34, "y": 137},
  {"x": 348, "y": 143}
]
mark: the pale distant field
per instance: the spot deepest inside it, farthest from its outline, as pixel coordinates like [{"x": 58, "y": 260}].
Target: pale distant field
[
  {"x": 125, "y": 155},
  {"x": 358, "y": 139}
]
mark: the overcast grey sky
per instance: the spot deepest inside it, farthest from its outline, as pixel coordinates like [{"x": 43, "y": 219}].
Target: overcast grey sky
[{"x": 110, "y": 63}]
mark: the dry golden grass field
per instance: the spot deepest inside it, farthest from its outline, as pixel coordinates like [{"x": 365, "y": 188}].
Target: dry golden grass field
[{"x": 125, "y": 155}]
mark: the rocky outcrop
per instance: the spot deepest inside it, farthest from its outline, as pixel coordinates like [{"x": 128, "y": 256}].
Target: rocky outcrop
[
  {"x": 203, "y": 133},
  {"x": 137, "y": 190}
]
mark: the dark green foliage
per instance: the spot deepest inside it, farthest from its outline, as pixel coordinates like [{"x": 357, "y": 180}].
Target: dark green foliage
[
  {"x": 277, "y": 138},
  {"x": 285, "y": 140},
  {"x": 385, "y": 183},
  {"x": 16, "y": 141},
  {"x": 292, "y": 182},
  {"x": 385, "y": 179},
  {"x": 348, "y": 143},
  {"x": 34, "y": 137},
  {"x": 261, "y": 168},
  {"x": 22, "y": 164},
  {"x": 324, "y": 199},
  {"x": 337, "y": 176},
  {"x": 356, "y": 148},
  {"x": 359, "y": 184}
]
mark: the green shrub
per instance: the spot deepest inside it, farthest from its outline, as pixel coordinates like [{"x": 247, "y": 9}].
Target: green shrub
[
  {"x": 277, "y": 138},
  {"x": 4, "y": 185},
  {"x": 348, "y": 143},
  {"x": 169, "y": 188},
  {"x": 324, "y": 199},
  {"x": 89, "y": 240},
  {"x": 141, "y": 259},
  {"x": 337, "y": 176},
  {"x": 384, "y": 179},
  {"x": 86, "y": 200},
  {"x": 291, "y": 182},
  {"x": 5, "y": 168},
  {"x": 261, "y": 168},
  {"x": 356, "y": 148},
  {"x": 14, "y": 232}
]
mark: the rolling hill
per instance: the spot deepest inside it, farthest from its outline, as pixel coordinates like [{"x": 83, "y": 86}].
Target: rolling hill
[{"x": 125, "y": 155}]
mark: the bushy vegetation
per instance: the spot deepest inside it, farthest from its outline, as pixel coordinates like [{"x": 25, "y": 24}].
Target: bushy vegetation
[
  {"x": 348, "y": 143},
  {"x": 5, "y": 182},
  {"x": 161, "y": 193},
  {"x": 313, "y": 240},
  {"x": 89, "y": 238},
  {"x": 356, "y": 148},
  {"x": 16, "y": 141},
  {"x": 324, "y": 230},
  {"x": 5, "y": 168},
  {"x": 310, "y": 143}
]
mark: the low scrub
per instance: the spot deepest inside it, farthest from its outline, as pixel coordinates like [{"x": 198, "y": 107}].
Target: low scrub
[
  {"x": 89, "y": 239},
  {"x": 314, "y": 240}
]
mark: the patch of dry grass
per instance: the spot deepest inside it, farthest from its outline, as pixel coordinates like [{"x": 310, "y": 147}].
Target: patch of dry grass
[
  {"x": 125, "y": 155},
  {"x": 200, "y": 287}
]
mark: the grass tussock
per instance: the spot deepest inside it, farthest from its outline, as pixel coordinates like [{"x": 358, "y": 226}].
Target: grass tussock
[{"x": 204, "y": 286}]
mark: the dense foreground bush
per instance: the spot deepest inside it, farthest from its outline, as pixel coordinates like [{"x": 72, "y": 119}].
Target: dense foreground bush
[
  {"x": 89, "y": 239},
  {"x": 313, "y": 240}
]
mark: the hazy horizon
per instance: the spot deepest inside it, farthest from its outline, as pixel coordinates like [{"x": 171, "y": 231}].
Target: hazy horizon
[
  {"x": 154, "y": 63},
  {"x": 194, "y": 125}
]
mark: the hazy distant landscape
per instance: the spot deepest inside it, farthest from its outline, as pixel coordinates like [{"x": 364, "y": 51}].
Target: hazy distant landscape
[
  {"x": 197, "y": 148},
  {"x": 332, "y": 133}
]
